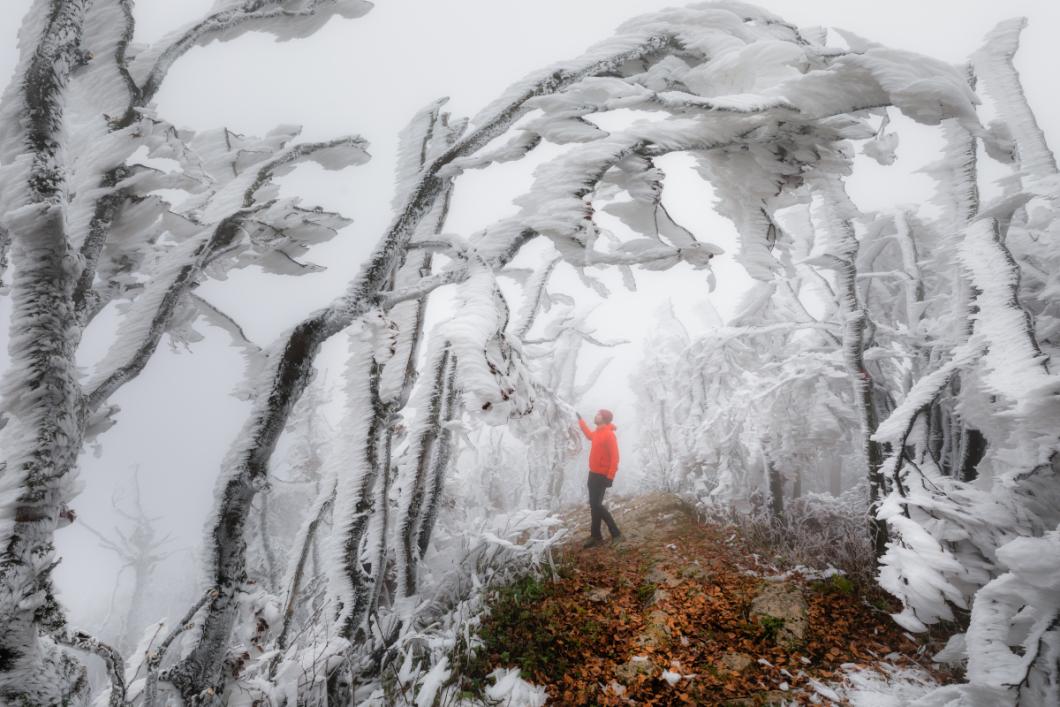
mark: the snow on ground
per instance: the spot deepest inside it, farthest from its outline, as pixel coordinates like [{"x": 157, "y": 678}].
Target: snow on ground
[{"x": 885, "y": 685}]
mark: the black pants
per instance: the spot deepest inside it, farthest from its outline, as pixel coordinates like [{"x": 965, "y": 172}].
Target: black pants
[{"x": 598, "y": 484}]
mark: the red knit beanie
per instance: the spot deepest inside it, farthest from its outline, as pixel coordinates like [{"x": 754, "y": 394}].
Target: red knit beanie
[{"x": 607, "y": 415}]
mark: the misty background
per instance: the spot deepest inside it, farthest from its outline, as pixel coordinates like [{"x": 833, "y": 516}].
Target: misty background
[{"x": 368, "y": 77}]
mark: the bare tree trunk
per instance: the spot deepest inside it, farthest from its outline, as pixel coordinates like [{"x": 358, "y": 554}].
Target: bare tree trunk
[{"x": 972, "y": 451}]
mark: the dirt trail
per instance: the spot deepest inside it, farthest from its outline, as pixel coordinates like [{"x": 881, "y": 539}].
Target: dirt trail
[{"x": 678, "y": 614}]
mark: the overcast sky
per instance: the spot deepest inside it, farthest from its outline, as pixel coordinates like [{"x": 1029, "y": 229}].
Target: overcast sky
[{"x": 368, "y": 76}]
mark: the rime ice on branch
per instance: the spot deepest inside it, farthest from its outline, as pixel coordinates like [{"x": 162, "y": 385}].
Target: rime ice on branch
[{"x": 768, "y": 113}]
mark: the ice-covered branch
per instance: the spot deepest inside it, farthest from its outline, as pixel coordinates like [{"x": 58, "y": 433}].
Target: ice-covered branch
[
  {"x": 418, "y": 466},
  {"x": 112, "y": 661},
  {"x": 286, "y": 20},
  {"x": 895, "y": 428},
  {"x": 155, "y": 308},
  {"x": 304, "y": 540},
  {"x": 994, "y": 65},
  {"x": 576, "y": 331},
  {"x": 106, "y": 209},
  {"x": 391, "y": 298},
  {"x": 1015, "y": 367},
  {"x": 156, "y": 656},
  {"x": 331, "y": 154},
  {"x": 533, "y": 300},
  {"x": 239, "y": 337}
]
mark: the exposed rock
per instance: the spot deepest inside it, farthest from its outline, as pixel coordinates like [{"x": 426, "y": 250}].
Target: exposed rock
[
  {"x": 659, "y": 596},
  {"x": 599, "y": 594},
  {"x": 773, "y": 697},
  {"x": 637, "y": 665},
  {"x": 695, "y": 572},
  {"x": 656, "y": 632},
  {"x": 662, "y": 577},
  {"x": 736, "y": 662},
  {"x": 785, "y": 603}
]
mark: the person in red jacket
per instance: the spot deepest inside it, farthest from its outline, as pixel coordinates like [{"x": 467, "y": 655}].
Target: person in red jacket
[{"x": 603, "y": 463}]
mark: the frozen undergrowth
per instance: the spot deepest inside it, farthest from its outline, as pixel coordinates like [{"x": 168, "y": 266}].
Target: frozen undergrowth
[
  {"x": 886, "y": 685},
  {"x": 459, "y": 572}
]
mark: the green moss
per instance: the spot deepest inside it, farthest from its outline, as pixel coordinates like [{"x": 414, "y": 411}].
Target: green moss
[
  {"x": 522, "y": 630},
  {"x": 645, "y": 592},
  {"x": 770, "y": 626},
  {"x": 836, "y": 584}
]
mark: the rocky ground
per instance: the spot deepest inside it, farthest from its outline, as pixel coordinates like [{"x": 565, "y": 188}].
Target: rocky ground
[{"x": 683, "y": 613}]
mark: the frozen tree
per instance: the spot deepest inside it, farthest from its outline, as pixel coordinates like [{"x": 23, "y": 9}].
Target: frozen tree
[
  {"x": 769, "y": 114},
  {"x": 941, "y": 319},
  {"x": 78, "y": 134},
  {"x": 549, "y": 434},
  {"x": 140, "y": 548}
]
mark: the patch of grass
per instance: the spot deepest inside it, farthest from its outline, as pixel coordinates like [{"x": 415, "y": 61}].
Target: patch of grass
[
  {"x": 645, "y": 592},
  {"x": 527, "y": 629},
  {"x": 836, "y": 584},
  {"x": 770, "y": 626}
]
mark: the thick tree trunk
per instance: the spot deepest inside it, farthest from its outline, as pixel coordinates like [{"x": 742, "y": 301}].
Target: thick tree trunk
[{"x": 43, "y": 420}]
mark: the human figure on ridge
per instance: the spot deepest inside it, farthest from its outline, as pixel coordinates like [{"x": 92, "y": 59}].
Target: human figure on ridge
[{"x": 603, "y": 463}]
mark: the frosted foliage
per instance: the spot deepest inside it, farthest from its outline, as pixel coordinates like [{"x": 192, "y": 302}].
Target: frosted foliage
[
  {"x": 1012, "y": 643},
  {"x": 994, "y": 63},
  {"x": 898, "y": 363},
  {"x": 349, "y": 464},
  {"x": 105, "y": 204},
  {"x": 940, "y": 321},
  {"x": 494, "y": 379},
  {"x": 512, "y": 689},
  {"x": 1015, "y": 366},
  {"x": 414, "y": 148}
]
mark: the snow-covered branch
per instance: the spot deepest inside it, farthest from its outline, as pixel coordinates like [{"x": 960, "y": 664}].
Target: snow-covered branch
[
  {"x": 111, "y": 658},
  {"x": 286, "y": 20},
  {"x": 994, "y": 65}
]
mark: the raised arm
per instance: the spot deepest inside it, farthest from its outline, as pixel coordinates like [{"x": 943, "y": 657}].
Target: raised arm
[{"x": 585, "y": 428}]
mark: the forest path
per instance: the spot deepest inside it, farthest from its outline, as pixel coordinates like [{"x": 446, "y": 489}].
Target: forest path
[{"x": 678, "y": 614}]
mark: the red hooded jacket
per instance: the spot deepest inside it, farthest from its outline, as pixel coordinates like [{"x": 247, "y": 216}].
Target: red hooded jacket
[{"x": 603, "y": 455}]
